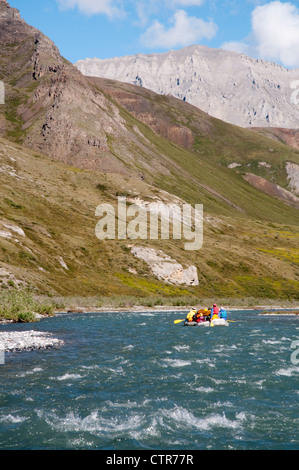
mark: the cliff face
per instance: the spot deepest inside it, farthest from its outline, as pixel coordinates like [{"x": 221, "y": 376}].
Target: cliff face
[
  {"x": 7, "y": 13},
  {"x": 69, "y": 120},
  {"x": 226, "y": 85},
  {"x": 26, "y": 53}
]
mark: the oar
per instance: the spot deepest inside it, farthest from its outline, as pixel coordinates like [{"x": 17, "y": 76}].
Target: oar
[
  {"x": 231, "y": 321},
  {"x": 178, "y": 321}
]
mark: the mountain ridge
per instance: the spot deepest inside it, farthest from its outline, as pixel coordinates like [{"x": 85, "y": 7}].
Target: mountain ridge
[{"x": 229, "y": 86}]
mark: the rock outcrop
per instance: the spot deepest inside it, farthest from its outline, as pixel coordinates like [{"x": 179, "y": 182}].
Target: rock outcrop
[
  {"x": 165, "y": 268},
  {"x": 293, "y": 176},
  {"x": 272, "y": 189},
  {"x": 7, "y": 13}
]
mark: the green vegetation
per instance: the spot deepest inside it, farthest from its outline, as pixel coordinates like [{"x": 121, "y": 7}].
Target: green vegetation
[
  {"x": 123, "y": 302},
  {"x": 20, "y": 306}
]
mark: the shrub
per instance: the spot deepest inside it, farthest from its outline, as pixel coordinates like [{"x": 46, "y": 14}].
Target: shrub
[{"x": 21, "y": 306}]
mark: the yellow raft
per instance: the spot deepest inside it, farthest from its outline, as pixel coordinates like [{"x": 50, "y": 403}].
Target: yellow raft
[{"x": 216, "y": 322}]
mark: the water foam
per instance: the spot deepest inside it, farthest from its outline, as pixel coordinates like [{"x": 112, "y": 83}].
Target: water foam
[
  {"x": 288, "y": 372},
  {"x": 31, "y": 372},
  {"x": 12, "y": 419},
  {"x": 184, "y": 347},
  {"x": 93, "y": 423},
  {"x": 69, "y": 377},
  {"x": 176, "y": 363},
  {"x": 204, "y": 389},
  {"x": 185, "y": 418}
]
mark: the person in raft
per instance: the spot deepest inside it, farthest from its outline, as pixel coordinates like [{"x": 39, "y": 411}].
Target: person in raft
[
  {"x": 223, "y": 313},
  {"x": 190, "y": 316},
  {"x": 207, "y": 314},
  {"x": 199, "y": 317},
  {"x": 214, "y": 312}
]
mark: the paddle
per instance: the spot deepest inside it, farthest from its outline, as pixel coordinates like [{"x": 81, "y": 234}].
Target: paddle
[{"x": 178, "y": 321}]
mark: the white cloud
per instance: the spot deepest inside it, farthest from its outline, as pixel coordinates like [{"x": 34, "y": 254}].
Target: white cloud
[
  {"x": 92, "y": 7},
  {"x": 185, "y": 30},
  {"x": 274, "y": 35},
  {"x": 276, "y": 30},
  {"x": 148, "y": 8}
]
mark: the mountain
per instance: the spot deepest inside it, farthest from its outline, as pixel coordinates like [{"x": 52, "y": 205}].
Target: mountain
[
  {"x": 226, "y": 85},
  {"x": 69, "y": 143}
]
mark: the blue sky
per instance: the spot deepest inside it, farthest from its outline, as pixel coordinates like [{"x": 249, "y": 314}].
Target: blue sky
[{"x": 110, "y": 28}]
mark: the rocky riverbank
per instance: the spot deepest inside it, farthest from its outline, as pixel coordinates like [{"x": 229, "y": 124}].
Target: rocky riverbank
[
  {"x": 17, "y": 341},
  {"x": 282, "y": 312}
]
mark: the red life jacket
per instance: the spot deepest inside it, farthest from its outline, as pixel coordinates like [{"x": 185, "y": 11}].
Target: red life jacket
[{"x": 215, "y": 311}]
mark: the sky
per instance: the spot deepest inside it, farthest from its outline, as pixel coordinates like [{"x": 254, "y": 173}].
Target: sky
[{"x": 113, "y": 28}]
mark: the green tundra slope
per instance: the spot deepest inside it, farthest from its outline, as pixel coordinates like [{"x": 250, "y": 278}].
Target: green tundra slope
[{"x": 58, "y": 253}]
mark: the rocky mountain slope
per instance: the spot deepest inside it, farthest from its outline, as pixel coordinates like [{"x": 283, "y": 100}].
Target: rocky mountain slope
[
  {"x": 70, "y": 142},
  {"x": 50, "y": 106},
  {"x": 229, "y": 86}
]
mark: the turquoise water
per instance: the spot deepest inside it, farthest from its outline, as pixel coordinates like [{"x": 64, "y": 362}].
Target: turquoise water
[{"x": 137, "y": 381}]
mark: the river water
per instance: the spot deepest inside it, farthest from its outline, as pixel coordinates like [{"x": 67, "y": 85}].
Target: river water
[{"x": 128, "y": 381}]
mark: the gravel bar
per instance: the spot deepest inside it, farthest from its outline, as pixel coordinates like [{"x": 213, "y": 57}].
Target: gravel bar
[{"x": 17, "y": 341}]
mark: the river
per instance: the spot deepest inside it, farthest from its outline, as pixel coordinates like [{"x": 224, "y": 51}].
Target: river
[{"x": 129, "y": 381}]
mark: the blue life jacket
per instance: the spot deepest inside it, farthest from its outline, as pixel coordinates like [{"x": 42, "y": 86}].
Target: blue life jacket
[{"x": 223, "y": 314}]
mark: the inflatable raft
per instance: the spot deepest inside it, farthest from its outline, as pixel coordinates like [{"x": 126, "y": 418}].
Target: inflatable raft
[{"x": 217, "y": 322}]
